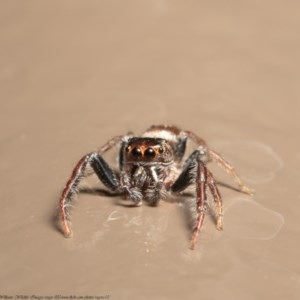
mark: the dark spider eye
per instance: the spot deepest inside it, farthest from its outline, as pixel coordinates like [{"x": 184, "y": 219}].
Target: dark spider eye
[
  {"x": 127, "y": 149},
  {"x": 160, "y": 150},
  {"x": 149, "y": 152},
  {"x": 136, "y": 152}
]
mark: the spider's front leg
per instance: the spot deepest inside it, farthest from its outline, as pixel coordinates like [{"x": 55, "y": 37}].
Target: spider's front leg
[
  {"x": 106, "y": 175},
  {"x": 196, "y": 172}
]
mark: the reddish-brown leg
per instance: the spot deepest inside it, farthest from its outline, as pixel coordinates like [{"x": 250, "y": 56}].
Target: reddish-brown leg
[
  {"x": 111, "y": 143},
  {"x": 196, "y": 139},
  {"x": 201, "y": 182},
  {"x": 217, "y": 199},
  {"x": 71, "y": 187},
  {"x": 212, "y": 155},
  {"x": 229, "y": 169},
  {"x": 68, "y": 192}
]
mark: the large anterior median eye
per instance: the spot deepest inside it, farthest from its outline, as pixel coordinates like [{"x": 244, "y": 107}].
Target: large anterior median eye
[
  {"x": 136, "y": 152},
  {"x": 149, "y": 152}
]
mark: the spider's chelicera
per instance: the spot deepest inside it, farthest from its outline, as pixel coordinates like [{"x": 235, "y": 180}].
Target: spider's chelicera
[{"x": 151, "y": 167}]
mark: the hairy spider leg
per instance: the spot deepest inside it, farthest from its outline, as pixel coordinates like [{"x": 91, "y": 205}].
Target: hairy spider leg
[
  {"x": 113, "y": 142},
  {"x": 214, "y": 156},
  {"x": 195, "y": 172},
  {"x": 68, "y": 193},
  {"x": 201, "y": 199},
  {"x": 229, "y": 169},
  {"x": 105, "y": 174},
  {"x": 212, "y": 184}
]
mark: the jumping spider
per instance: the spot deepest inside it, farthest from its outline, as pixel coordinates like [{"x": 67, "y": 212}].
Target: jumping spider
[{"x": 152, "y": 166}]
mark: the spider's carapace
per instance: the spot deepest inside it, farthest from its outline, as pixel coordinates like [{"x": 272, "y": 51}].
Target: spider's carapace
[{"x": 151, "y": 151}]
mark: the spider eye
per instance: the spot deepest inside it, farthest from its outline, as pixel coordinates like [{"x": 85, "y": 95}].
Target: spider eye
[
  {"x": 160, "y": 150},
  {"x": 136, "y": 152},
  {"x": 149, "y": 152}
]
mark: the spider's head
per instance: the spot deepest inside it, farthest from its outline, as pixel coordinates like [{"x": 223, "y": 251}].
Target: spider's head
[{"x": 148, "y": 151}]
